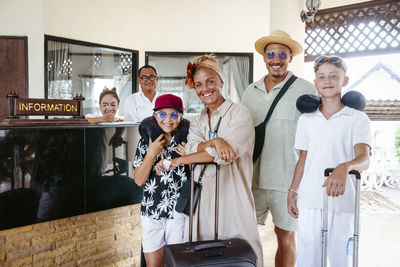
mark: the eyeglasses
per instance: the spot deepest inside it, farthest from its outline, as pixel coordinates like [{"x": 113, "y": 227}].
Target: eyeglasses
[
  {"x": 337, "y": 61},
  {"x": 281, "y": 55},
  {"x": 145, "y": 77},
  {"x": 162, "y": 115}
]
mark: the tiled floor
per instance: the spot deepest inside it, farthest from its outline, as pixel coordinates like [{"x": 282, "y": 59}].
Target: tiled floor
[{"x": 268, "y": 241}]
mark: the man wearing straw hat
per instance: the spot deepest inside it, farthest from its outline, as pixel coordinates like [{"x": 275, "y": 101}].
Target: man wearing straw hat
[{"x": 273, "y": 170}]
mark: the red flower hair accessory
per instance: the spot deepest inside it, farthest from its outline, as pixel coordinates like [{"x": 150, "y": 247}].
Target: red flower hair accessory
[{"x": 190, "y": 69}]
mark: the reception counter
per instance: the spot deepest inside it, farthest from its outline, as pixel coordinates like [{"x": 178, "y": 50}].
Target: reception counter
[{"x": 53, "y": 172}]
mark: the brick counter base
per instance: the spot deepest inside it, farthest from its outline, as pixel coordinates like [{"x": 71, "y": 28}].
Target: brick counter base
[{"x": 105, "y": 238}]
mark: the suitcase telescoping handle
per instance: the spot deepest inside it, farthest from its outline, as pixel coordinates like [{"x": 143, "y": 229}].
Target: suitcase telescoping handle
[
  {"x": 194, "y": 165},
  {"x": 324, "y": 256}
]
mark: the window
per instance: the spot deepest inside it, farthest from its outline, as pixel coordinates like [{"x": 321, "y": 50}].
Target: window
[
  {"x": 75, "y": 67},
  {"x": 237, "y": 69}
]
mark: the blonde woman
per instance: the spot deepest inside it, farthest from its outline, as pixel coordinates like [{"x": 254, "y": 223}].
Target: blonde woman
[{"x": 223, "y": 133}]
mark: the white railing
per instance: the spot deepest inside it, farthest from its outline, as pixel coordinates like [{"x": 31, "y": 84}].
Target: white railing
[{"x": 375, "y": 179}]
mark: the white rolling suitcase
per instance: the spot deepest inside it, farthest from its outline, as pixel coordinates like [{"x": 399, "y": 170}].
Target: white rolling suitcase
[{"x": 355, "y": 238}]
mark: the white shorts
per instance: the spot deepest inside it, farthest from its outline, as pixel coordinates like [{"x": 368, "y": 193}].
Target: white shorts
[
  {"x": 157, "y": 233},
  {"x": 309, "y": 238}
]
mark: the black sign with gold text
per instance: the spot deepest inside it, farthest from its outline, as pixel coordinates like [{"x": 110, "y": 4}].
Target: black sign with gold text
[
  {"x": 52, "y": 107},
  {"x": 22, "y": 107}
]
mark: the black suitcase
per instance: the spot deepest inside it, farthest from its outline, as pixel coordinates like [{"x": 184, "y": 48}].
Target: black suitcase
[{"x": 230, "y": 252}]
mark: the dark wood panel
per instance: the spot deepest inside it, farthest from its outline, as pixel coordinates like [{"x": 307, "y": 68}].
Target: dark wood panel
[{"x": 13, "y": 69}]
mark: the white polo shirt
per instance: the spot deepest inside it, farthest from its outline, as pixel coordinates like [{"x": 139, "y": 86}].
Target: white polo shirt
[
  {"x": 137, "y": 107},
  {"x": 329, "y": 143}
]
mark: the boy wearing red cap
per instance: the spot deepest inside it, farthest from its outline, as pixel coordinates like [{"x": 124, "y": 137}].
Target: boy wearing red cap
[{"x": 161, "y": 138}]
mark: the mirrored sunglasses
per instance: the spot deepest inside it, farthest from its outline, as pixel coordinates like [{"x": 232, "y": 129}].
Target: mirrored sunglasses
[
  {"x": 145, "y": 77},
  {"x": 331, "y": 59},
  {"x": 162, "y": 115},
  {"x": 335, "y": 60},
  {"x": 281, "y": 55}
]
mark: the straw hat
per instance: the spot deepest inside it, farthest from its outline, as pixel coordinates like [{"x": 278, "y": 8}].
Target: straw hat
[{"x": 278, "y": 37}]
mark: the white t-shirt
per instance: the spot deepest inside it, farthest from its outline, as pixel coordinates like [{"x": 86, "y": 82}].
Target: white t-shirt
[
  {"x": 329, "y": 143},
  {"x": 137, "y": 107}
]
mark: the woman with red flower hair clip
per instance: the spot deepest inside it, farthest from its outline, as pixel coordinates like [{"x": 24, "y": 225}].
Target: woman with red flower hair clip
[{"x": 223, "y": 133}]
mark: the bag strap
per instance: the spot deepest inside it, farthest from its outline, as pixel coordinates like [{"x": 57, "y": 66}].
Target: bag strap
[
  {"x": 205, "y": 166},
  {"x": 279, "y": 96},
  {"x": 218, "y": 123},
  {"x": 201, "y": 173}
]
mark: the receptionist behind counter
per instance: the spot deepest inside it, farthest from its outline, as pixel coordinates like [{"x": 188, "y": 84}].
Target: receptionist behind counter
[
  {"x": 108, "y": 103},
  {"x": 139, "y": 105},
  {"x": 108, "y": 182},
  {"x": 97, "y": 138}
]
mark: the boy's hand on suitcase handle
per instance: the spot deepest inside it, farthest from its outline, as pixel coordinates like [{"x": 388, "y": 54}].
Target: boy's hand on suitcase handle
[{"x": 336, "y": 182}]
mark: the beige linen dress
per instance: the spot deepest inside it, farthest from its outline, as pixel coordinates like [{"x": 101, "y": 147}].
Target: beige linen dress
[{"x": 237, "y": 218}]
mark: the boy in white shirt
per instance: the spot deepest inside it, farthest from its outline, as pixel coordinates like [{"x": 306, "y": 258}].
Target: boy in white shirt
[{"x": 336, "y": 136}]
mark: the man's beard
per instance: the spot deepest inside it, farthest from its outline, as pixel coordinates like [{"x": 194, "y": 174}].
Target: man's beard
[{"x": 278, "y": 75}]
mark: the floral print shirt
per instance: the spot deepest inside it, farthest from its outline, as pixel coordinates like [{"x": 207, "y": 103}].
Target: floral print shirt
[{"x": 160, "y": 192}]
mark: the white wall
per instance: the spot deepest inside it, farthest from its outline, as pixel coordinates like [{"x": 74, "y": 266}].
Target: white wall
[
  {"x": 25, "y": 18},
  {"x": 115, "y": 23}
]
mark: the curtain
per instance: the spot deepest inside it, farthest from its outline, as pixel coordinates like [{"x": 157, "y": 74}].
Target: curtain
[
  {"x": 240, "y": 70},
  {"x": 59, "y": 67}
]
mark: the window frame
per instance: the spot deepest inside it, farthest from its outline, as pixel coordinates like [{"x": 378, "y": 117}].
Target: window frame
[{"x": 47, "y": 38}]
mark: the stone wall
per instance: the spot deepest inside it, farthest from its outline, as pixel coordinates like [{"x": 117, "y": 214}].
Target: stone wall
[{"x": 111, "y": 237}]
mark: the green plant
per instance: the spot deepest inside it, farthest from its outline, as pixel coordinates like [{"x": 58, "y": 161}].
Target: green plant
[{"x": 397, "y": 143}]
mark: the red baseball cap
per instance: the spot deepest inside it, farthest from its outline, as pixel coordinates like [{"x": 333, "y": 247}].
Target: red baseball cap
[{"x": 169, "y": 101}]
